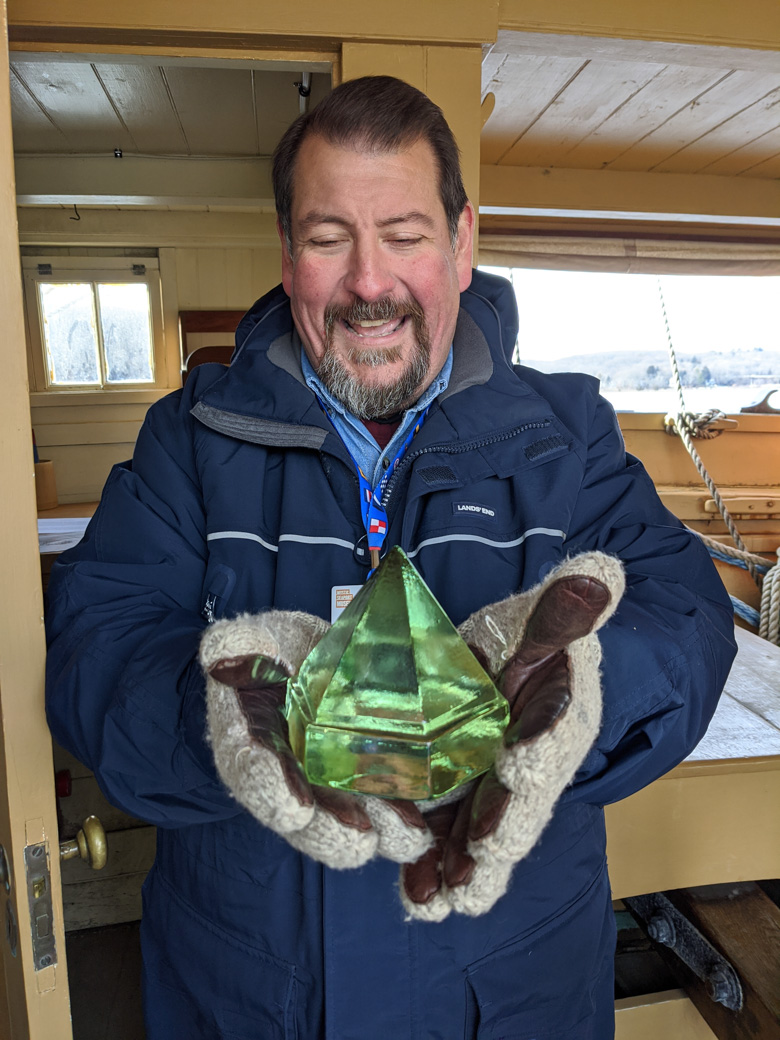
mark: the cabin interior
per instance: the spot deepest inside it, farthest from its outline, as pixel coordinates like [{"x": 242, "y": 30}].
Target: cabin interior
[{"x": 595, "y": 135}]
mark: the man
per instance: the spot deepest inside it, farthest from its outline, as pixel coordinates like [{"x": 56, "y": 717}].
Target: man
[{"x": 252, "y": 489}]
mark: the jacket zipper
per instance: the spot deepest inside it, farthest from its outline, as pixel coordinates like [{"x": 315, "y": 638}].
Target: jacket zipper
[{"x": 456, "y": 450}]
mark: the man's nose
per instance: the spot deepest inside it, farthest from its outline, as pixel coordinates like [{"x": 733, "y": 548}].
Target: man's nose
[{"x": 369, "y": 276}]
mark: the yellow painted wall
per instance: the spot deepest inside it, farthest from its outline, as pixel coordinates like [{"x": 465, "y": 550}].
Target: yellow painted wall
[
  {"x": 226, "y": 277},
  {"x": 85, "y": 434}
]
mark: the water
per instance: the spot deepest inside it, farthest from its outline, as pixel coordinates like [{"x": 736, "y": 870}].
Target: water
[{"x": 729, "y": 399}]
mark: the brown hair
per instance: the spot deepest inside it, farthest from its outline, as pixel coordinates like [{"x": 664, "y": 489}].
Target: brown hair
[{"x": 378, "y": 113}]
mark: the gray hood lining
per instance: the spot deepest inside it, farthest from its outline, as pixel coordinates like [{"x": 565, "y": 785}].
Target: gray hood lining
[
  {"x": 472, "y": 364},
  {"x": 285, "y": 353},
  {"x": 259, "y": 431}
]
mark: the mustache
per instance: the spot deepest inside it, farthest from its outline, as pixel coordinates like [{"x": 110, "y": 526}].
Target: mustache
[{"x": 385, "y": 309}]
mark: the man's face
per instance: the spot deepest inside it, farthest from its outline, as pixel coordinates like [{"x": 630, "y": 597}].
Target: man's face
[{"x": 373, "y": 278}]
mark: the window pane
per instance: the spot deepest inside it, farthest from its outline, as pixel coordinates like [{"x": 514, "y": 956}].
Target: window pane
[
  {"x": 125, "y": 322},
  {"x": 724, "y": 329},
  {"x": 69, "y": 333}
]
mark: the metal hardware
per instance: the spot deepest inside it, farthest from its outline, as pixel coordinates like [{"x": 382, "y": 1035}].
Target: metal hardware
[
  {"x": 763, "y": 407},
  {"x": 5, "y": 871},
  {"x": 89, "y": 844},
  {"x": 720, "y": 986},
  {"x": 139, "y": 269},
  {"x": 304, "y": 84},
  {"x": 674, "y": 930},
  {"x": 304, "y": 90},
  {"x": 44, "y": 268},
  {"x": 39, "y": 898},
  {"x": 660, "y": 928}
]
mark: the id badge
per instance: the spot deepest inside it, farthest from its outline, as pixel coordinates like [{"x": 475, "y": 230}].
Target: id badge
[{"x": 340, "y": 598}]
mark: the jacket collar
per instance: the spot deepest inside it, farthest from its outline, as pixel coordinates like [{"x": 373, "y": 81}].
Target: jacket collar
[{"x": 263, "y": 398}]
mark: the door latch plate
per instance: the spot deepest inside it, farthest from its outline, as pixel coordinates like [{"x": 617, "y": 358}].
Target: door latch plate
[{"x": 39, "y": 897}]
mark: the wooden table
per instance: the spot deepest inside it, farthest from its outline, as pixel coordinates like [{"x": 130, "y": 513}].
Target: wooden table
[
  {"x": 715, "y": 817},
  {"x": 61, "y": 512}
]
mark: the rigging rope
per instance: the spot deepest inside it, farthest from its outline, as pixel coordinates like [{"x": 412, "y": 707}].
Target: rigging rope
[
  {"x": 767, "y": 578},
  {"x": 688, "y": 426},
  {"x": 767, "y": 620},
  {"x": 769, "y": 616},
  {"x": 728, "y": 554}
]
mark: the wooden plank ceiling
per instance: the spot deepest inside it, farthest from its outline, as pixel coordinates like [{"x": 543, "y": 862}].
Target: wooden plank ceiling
[
  {"x": 582, "y": 103},
  {"x": 556, "y": 110},
  {"x": 561, "y": 102},
  {"x": 90, "y": 108}
]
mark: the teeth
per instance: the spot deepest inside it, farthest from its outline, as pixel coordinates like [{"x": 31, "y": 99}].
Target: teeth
[{"x": 370, "y": 324}]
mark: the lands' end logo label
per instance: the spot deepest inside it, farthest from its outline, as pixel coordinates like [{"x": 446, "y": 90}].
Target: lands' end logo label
[{"x": 473, "y": 509}]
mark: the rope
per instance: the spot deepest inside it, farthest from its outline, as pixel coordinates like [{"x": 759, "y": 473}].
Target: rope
[
  {"x": 747, "y": 613},
  {"x": 728, "y": 554},
  {"x": 769, "y": 625},
  {"x": 725, "y": 558},
  {"x": 688, "y": 426},
  {"x": 696, "y": 424},
  {"x": 767, "y": 620}
]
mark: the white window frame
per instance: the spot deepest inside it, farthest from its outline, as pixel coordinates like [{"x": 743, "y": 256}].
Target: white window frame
[{"x": 90, "y": 269}]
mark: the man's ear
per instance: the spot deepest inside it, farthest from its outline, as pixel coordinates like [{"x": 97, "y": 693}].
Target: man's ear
[
  {"x": 287, "y": 261},
  {"x": 464, "y": 246}
]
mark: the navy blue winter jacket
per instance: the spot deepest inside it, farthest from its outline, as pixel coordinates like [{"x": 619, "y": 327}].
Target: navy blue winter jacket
[{"x": 241, "y": 496}]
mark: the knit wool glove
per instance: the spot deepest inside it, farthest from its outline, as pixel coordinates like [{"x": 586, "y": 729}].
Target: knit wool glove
[
  {"x": 541, "y": 649},
  {"x": 247, "y": 662}
]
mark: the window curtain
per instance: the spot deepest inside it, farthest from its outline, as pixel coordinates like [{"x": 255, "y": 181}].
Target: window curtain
[{"x": 628, "y": 255}]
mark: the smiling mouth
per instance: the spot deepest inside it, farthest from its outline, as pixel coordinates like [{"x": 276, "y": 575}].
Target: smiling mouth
[{"x": 374, "y": 330}]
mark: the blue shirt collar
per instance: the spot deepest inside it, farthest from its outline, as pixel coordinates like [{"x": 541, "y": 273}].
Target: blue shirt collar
[{"x": 361, "y": 445}]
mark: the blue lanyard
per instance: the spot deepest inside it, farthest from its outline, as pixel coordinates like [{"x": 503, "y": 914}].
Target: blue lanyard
[
  {"x": 372, "y": 511},
  {"x": 374, "y": 514}
]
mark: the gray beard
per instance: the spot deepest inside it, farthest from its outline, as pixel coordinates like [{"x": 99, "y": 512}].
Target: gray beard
[{"x": 375, "y": 402}]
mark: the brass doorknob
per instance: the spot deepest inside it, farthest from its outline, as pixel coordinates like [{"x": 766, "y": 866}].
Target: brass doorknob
[{"x": 90, "y": 844}]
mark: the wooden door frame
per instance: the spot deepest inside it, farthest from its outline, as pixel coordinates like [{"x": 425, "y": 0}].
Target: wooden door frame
[{"x": 35, "y": 1002}]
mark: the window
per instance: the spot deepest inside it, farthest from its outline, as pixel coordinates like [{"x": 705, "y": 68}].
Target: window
[
  {"x": 93, "y": 328},
  {"x": 608, "y": 306},
  {"x": 724, "y": 330}
]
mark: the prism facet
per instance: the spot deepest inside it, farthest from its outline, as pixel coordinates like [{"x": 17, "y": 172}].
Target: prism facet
[{"x": 391, "y": 702}]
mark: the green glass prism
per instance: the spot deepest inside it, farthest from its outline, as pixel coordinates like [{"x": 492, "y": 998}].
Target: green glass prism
[{"x": 391, "y": 702}]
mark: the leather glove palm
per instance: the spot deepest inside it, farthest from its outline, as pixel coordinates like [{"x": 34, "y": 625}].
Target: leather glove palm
[
  {"x": 541, "y": 649},
  {"x": 247, "y": 662}
]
